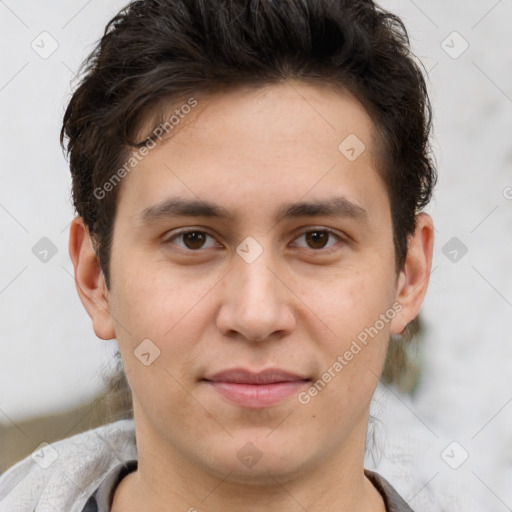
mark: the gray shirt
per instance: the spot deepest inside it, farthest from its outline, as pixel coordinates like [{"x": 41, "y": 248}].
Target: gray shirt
[{"x": 80, "y": 474}]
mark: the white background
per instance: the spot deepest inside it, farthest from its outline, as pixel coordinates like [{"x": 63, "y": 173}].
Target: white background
[{"x": 50, "y": 357}]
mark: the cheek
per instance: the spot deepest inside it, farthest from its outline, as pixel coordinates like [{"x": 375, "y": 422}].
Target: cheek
[
  {"x": 150, "y": 308},
  {"x": 151, "y": 300},
  {"x": 348, "y": 304},
  {"x": 167, "y": 308},
  {"x": 358, "y": 313}
]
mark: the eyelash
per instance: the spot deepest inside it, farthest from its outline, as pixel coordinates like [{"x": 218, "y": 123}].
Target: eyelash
[{"x": 169, "y": 240}]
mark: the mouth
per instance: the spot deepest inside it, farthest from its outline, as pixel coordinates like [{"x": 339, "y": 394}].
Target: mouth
[{"x": 256, "y": 390}]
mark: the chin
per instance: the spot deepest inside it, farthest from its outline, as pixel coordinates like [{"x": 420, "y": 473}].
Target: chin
[{"x": 250, "y": 465}]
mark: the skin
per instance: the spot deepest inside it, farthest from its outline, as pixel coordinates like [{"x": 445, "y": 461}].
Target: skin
[{"x": 297, "y": 306}]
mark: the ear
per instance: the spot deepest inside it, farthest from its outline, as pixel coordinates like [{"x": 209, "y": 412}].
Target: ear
[
  {"x": 414, "y": 277},
  {"x": 89, "y": 279}
]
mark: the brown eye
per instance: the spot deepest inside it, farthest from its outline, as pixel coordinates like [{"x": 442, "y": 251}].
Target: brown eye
[
  {"x": 319, "y": 238},
  {"x": 191, "y": 240}
]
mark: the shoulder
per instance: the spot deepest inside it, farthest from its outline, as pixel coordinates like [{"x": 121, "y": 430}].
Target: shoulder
[
  {"x": 393, "y": 501},
  {"x": 63, "y": 474}
]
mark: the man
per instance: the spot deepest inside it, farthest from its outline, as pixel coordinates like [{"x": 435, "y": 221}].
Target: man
[{"x": 248, "y": 178}]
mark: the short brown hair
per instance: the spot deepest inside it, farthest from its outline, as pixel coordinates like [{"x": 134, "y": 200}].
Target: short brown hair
[{"x": 156, "y": 51}]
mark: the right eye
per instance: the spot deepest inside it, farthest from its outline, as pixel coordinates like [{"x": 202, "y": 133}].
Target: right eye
[{"x": 192, "y": 240}]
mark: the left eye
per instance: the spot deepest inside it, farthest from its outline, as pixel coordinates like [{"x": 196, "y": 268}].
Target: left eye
[
  {"x": 193, "y": 240},
  {"x": 318, "y": 238}
]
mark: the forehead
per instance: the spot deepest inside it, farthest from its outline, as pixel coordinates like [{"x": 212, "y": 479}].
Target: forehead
[{"x": 251, "y": 145}]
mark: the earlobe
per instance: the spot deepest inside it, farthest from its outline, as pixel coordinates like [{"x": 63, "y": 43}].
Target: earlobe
[
  {"x": 89, "y": 280},
  {"x": 414, "y": 277}
]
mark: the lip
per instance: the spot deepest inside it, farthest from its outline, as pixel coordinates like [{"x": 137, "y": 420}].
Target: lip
[
  {"x": 244, "y": 376},
  {"x": 256, "y": 389}
]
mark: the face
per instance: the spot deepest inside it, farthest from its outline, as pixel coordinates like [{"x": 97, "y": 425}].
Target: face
[{"x": 265, "y": 286}]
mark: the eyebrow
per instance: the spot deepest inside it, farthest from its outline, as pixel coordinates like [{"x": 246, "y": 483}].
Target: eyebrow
[{"x": 178, "y": 207}]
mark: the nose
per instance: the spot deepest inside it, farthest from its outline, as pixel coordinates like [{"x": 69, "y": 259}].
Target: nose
[{"x": 257, "y": 300}]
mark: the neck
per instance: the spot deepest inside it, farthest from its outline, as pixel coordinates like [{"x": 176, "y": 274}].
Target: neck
[{"x": 166, "y": 481}]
